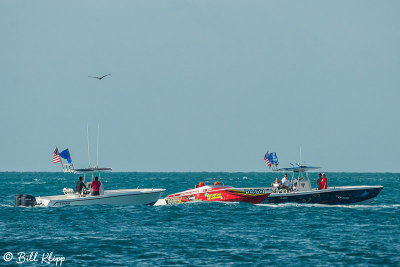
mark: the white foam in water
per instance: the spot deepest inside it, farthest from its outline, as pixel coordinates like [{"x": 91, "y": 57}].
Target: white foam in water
[
  {"x": 29, "y": 183},
  {"x": 284, "y": 205},
  {"x": 226, "y": 202},
  {"x": 7, "y": 206},
  {"x": 349, "y": 206},
  {"x": 160, "y": 202}
]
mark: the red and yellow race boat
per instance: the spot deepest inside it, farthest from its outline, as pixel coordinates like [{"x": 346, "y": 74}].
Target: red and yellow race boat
[{"x": 254, "y": 195}]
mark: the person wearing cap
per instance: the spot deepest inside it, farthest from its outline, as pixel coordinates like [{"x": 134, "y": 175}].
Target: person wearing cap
[
  {"x": 216, "y": 183},
  {"x": 323, "y": 184},
  {"x": 319, "y": 180}
]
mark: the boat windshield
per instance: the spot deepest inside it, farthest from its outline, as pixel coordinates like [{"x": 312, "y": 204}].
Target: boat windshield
[{"x": 302, "y": 179}]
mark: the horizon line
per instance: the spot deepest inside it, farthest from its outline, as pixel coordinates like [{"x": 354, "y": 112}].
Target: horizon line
[{"x": 4, "y": 171}]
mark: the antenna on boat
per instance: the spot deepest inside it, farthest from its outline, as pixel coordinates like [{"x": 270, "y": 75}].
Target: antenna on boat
[
  {"x": 88, "y": 145},
  {"x": 300, "y": 155},
  {"x": 98, "y": 133}
]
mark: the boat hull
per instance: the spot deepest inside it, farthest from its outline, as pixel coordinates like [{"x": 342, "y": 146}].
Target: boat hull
[
  {"x": 330, "y": 196},
  {"x": 110, "y": 197},
  {"x": 221, "y": 194}
]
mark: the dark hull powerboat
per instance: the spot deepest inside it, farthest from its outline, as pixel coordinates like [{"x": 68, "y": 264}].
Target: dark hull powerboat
[
  {"x": 299, "y": 190},
  {"x": 330, "y": 196},
  {"x": 220, "y": 193}
]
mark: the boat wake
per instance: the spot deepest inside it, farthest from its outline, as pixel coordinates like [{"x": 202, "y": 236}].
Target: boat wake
[
  {"x": 160, "y": 202},
  {"x": 6, "y": 206},
  {"x": 35, "y": 181},
  {"x": 348, "y": 206}
]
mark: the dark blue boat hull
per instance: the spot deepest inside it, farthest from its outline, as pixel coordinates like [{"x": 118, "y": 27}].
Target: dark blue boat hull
[{"x": 330, "y": 196}]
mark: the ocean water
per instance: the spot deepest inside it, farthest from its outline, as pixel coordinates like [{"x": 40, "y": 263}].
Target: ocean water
[{"x": 199, "y": 234}]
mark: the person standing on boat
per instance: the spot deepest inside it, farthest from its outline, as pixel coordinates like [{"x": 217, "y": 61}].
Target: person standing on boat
[
  {"x": 285, "y": 182},
  {"x": 96, "y": 186},
  {"x": 324, "y": 184},
  {"x": 319, "y": 180},
  {"x": 80, "y": 185}
]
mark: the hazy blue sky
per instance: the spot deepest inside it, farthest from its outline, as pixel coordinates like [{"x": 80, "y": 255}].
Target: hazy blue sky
[{"x": 201, "y": 85}]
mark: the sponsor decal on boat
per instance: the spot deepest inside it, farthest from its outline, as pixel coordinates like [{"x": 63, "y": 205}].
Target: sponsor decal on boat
[
  {"x": 251, "y": 192},
  {"x": 213, "y": 196}
]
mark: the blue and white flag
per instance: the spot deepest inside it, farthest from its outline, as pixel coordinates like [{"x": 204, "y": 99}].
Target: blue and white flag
[
  {"x": 271, "y": 159},
  {"x": 65, "y": 155}
]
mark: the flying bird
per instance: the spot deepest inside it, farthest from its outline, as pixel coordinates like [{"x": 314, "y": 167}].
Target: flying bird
[{"x": 99, "y": 77}]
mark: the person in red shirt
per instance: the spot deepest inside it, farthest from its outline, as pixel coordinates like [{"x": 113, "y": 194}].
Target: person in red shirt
[
  {"x": 96, "y": 186},
  {"x": 324, "y": 184},
  {"x": 319, "y": 180}
]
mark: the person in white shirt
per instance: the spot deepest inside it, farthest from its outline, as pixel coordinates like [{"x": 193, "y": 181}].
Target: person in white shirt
[
  {"x": 276, "y": 184},
  {"x": 285, "y": 182}
]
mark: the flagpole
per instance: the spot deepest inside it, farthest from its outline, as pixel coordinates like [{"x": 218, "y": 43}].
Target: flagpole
[
  {"x": 70, "y": 158},
  {"x": 266, "y": 176},
  {"x": 62, "y": 165},
  {"x": 266, "y": 165},
  {"x": 58, "y": 154}
]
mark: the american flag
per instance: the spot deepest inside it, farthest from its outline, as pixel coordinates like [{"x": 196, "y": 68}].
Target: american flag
[
  {"x": 267, "y": 160},
  {"x": 56, "y": 156}
]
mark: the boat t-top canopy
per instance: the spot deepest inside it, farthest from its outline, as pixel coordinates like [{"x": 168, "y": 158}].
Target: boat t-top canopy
[
  {"x": 300, "y": 168},
  {"x": 93, "y": 170}
]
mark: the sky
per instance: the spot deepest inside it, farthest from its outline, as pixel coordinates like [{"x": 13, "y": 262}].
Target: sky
[{"x": 200, "y": 85}]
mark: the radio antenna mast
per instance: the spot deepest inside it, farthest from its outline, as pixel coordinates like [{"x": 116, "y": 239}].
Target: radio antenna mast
[
  {"x": 88, "y": 144},
  {"x": 300, "y": 156},
  {"x": 98, "y": 133}
]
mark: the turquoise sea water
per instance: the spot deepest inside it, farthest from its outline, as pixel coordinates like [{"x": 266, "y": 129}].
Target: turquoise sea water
[{"x": 200, "y": 233}]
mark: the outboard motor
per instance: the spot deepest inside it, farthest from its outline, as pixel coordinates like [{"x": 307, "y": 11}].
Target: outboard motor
[{"x": 25, "y": 200}]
